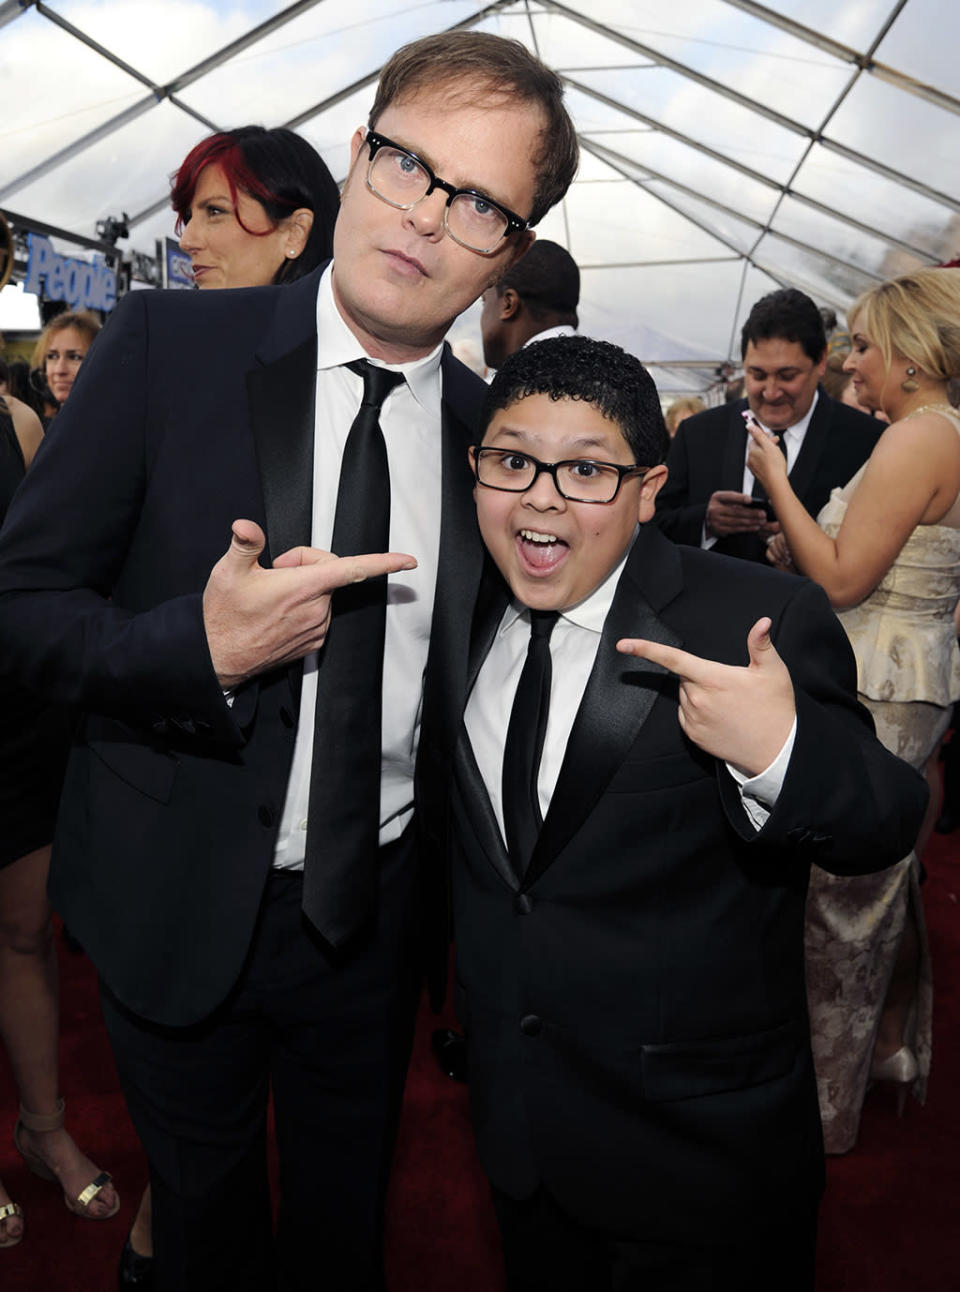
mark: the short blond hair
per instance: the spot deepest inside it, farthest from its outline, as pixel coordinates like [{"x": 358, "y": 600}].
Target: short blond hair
[
  {"x": 684, "y": 407},
  {"x": 915, "y": 316}
]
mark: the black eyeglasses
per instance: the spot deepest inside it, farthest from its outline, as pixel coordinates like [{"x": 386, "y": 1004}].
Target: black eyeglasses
[
  {"x": 576, "y": 479},
  {"x": 399, "y": 178}
]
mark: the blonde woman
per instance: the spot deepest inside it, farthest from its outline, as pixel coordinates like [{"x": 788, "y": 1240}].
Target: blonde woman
[
  {"x": 886, "y": 549},
  {"x": 60, "y": 350},
  {"x": 680, "y": 410}
]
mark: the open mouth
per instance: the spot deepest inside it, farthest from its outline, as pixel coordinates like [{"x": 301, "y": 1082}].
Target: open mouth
[{"x": 540, "y": 553}]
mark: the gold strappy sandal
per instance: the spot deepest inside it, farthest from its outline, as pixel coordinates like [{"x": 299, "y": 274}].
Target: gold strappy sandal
[{"x": 80, "y": 1206}]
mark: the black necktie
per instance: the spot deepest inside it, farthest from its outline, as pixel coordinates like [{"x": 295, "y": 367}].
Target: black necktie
[
  {"x": 758, "y": 489},
  {"x": 340, "y": 868},
  {"x": 525, "y": 732}
]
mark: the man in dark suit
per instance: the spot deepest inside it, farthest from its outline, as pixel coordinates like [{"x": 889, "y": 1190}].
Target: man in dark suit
[
  {"x": 629, "y": 903},
  {"x": 710, "y": 499},
  {"x": 190, "y": 835}
]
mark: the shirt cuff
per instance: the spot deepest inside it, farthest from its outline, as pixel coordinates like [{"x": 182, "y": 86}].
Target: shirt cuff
[
  {"x": 706, "y": 540},
  {"x": 759, "y": 794}
]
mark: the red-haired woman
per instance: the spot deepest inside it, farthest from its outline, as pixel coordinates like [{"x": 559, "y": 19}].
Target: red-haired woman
[{"x": 254, "y": 206}]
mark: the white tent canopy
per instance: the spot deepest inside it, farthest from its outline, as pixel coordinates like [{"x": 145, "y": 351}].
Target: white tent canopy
[{"x": 728, "y": 146}]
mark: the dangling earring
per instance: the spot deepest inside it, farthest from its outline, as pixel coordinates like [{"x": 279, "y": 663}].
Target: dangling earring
[{"x": 910, "y": 384}]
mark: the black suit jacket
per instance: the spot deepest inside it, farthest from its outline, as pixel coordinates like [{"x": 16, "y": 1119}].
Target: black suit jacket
[
  {"x": 635, "y": 1002},
  {"x": 190, "y": 411},
  {"x": 708, "y": 451}
]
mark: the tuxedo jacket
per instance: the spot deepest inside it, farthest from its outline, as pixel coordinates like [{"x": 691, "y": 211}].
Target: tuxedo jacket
[
  {"x": 191, "y": 410},
  {"x": 708, "y": 453},
  {"x": 635, "y": 1002}
]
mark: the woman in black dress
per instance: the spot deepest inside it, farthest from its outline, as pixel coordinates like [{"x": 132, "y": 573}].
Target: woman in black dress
[{"x": 33, "y": 745}]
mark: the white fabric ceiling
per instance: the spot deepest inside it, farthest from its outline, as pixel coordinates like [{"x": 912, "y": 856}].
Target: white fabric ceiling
[{"x": 728, "y": 146}]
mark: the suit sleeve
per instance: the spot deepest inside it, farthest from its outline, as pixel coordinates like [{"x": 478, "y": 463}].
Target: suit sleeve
[
  {"x": 62, "y": 551},
  {"x": 678, "y": 517},
  {"x": 847, "y": 803}
]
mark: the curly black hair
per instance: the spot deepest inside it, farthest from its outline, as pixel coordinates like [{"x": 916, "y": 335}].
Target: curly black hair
[{"x": 599, "y": 373}]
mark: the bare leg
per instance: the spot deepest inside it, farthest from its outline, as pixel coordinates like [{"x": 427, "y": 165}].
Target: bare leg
[
  {"x": 29, "y": 1019},
  {"x": 141, "y": 1234}
]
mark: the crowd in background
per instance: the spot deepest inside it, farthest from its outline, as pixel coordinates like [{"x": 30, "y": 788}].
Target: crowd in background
[{"x": 256, "y": 207}]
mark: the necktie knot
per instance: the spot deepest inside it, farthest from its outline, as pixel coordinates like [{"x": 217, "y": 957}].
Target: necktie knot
[
  {"x": 542, "y": 623},
  {"x": 377, "y": 382}
]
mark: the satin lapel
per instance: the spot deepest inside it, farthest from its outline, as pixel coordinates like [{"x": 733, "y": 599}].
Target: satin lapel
[
  {"x": 280, "y": 392},
  {"x": 475, "y": 801},
  {"x": 476, "y": 806},
  {"x": 619, "y": 695},
  {"x": 461, "y": 558},
  {"x": 811, "y": 451},
  {"x": 734, "y": 449}
]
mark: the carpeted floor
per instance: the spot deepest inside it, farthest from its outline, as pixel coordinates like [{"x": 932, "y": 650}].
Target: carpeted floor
[{"x": 888, "y": 1223}]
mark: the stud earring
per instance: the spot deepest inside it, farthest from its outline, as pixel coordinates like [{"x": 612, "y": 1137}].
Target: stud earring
[{"x": 910, "y": 385}]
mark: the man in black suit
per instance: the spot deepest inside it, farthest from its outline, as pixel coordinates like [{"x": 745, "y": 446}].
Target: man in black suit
[
  {"x": 629, "y": 903},
  {"x": 190, "y": 835},
  {"x": 710, "y": 499}
]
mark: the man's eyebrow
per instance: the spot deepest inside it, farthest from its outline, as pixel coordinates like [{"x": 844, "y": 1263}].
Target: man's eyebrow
[{"x": 469, "y": 186}]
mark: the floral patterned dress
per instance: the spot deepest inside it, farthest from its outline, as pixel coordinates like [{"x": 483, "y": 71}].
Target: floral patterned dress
[{"x": 908, "y": 665}]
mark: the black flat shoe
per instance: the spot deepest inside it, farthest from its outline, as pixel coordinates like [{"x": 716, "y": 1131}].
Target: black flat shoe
[
  {"x": 134, "y": 1270},
  {"x": 450, "y": 1051}
]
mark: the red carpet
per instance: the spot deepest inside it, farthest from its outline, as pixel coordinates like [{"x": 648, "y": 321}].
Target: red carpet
[{"x": 888, "y": 1223}]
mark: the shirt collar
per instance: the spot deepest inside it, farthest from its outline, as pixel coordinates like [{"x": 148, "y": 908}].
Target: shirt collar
[
  {"x": 562, "y": 329},
  {"x": 337, "y": 346},
  {"x": 590, "y": 613}
]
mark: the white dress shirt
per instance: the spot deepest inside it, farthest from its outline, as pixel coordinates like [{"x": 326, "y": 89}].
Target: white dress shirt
[
  {"x": 792, "y": 439},
  {"x": 410, "y": 421},
  {"x": 573, "y": 647},
  {"x": 562, "y": 329}
]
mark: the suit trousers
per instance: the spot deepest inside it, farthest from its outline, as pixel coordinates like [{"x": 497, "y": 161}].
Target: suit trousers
[
  {"x": 329, "y": 1034},
  {"x": 545, "y": 1249}
]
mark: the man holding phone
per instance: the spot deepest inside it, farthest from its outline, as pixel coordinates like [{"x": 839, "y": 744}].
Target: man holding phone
[{"x": 710, "y": 499}]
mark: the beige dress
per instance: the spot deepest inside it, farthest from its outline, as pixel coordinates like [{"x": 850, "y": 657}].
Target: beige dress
[{"x": 908, "y": 665}]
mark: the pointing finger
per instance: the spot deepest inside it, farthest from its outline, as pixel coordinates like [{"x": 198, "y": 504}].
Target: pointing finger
[
  {"x": 691, "y": 668},
  {"x": 302, "y": 556},
  {"x": 342, "y": 570}
]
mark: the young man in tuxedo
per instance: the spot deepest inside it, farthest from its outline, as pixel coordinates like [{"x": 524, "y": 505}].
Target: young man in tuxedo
[
  {"x": 236, "y": 849},
  {"x": 657, "y": 744},
  {"x": 710, "y": 499}
]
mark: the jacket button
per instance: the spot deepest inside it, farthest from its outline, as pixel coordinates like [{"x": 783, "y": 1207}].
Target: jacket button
[
  {"x": 523, "y": 903},
  {"x": 266, "y": 814},
  {"x": 286, "y": 717},
  {"x": 530, "y": 1025}
]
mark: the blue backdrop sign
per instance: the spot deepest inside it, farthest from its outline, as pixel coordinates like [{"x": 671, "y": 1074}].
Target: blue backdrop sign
[{"x": 83, "y": 284}]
